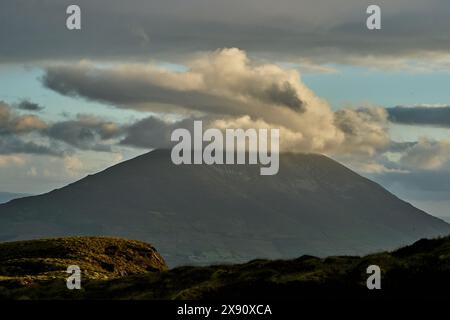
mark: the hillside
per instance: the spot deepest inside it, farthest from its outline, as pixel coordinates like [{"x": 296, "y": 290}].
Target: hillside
[
  {"x": 199, "y": 214},
  {"x": 421, "y": 270},
  {"x": 26, "y": 263}
]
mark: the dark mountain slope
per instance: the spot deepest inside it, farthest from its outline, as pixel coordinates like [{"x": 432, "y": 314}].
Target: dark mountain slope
[{"x": 226, "y": 213}]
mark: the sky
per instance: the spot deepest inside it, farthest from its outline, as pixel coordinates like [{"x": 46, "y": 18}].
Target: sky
[{"x": 74, "y": 102}]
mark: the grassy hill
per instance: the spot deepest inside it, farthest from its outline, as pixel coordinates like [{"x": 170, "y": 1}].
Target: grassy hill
[
  {"x": 122, "y": 269},
  {"x": 32, "y": 264}
]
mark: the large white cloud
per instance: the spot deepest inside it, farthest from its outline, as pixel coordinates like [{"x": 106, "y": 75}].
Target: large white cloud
[{"x": 225, "y": 85}]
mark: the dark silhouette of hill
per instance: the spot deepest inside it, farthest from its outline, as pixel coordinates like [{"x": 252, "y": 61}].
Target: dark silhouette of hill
[
  {"x": 419, "y": 271},
  {"x": 200, "y": 214}
]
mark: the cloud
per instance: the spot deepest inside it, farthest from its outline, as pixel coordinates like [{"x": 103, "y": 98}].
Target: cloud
[
  {"x": 284, "y": 29},
  {"x": 11, "y": 160},
  {"x": 13, "y": 130},
  {"x": 30, "y": 134},
  {"x": 374, "y": 167},
  {"x": 14, "y": 145},
  {"x": 153, "y": 132},
  {"x": 12, "y": 123},
  {"x": 73, "y": 165},
  {"x": 427, "y": 155},
  {"x": 29, "y": 106},
  {"x": 400, "y": 147},
  {"x": 365, "y": 129},
  {"x": 284, "y": 95},
  {"x": 215, "y": 82},
  {"x": 438, "y": 116},
  {"x": 85, "y": 132},
  {"x": 225, "y": 85},
  {"x": 38, "y": 174}
]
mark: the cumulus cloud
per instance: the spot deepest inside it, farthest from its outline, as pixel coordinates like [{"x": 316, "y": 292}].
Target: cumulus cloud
[
  {"x": 153, "y": 132},
  {"x": 365, "y": 129},
  {"x": 12, "y": 123},
  {"x": 219, "y": 82},
  {"x": 13, "y": 128},
  {"x": 29, "y": 134},
  {"x": 427, "y": 154},
  {"x": 226, "y": 85},
  {"x": 429, "y": 115},
  {"x": 86, "y": 132}
]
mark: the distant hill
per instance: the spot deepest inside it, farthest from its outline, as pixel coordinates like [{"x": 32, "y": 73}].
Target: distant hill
[
  {"x": 200, "y": 214},
  {"x": 7, "y": 196},
  {"x": 421, "y": 270}
]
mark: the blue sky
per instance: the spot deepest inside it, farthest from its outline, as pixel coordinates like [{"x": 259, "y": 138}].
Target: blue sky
[{"x": 358, "y": 85}]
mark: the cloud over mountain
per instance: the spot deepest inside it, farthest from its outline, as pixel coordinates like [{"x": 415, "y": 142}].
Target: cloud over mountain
[
  {"x": 226, "y": 89},
  {"x": 226, "y": 85}
]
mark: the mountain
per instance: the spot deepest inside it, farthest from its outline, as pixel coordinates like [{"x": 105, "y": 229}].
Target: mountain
[
  {"x": 421, "y": 270},
  {"x": 7, "y": 196},
  {"x": 200, "y": 214}
]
